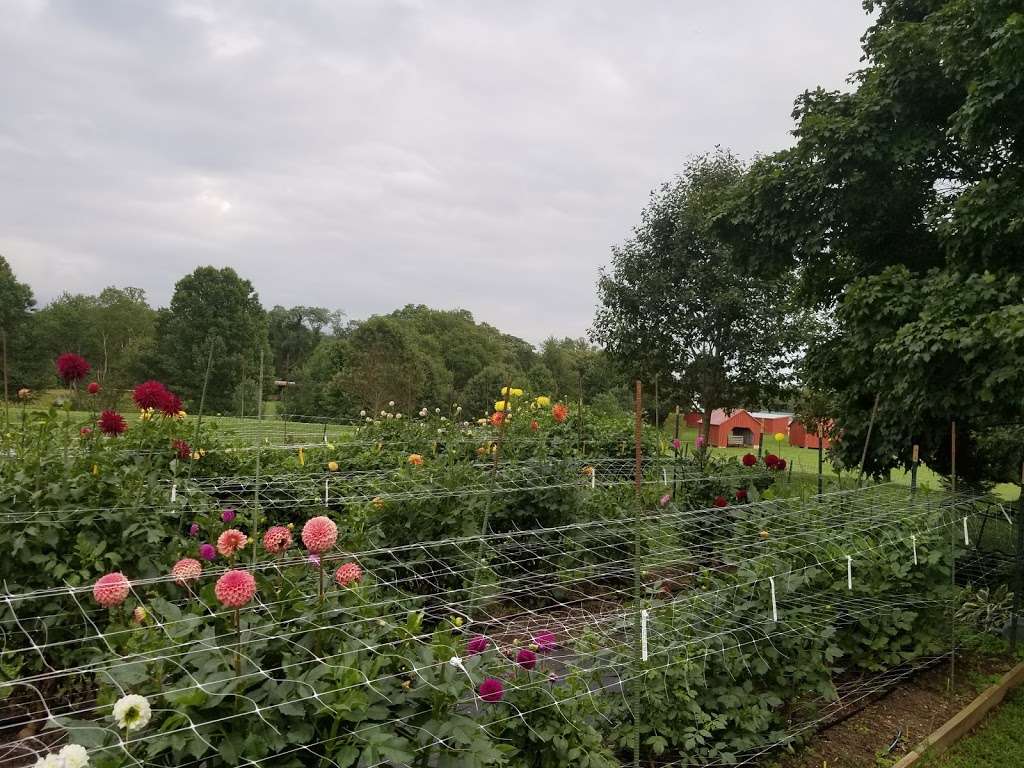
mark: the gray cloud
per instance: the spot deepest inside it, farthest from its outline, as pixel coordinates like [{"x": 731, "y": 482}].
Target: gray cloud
[{"x": 367, "y": 154}]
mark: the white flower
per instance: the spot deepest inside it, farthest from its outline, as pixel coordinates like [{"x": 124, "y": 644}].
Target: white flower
[
  {"x": 398, "y": 415},
  {"x": 391, "y": 415},
  {"x": 362, "y": 414},
  {"x": 52, "y": 760},
  {"x": 443, "y": 419},
  {"x": 437, "y": 410},
  {"x": 132, "y": 712},
  {"x": 391, "y": 403},
  {"x": 74, "y": 756},
  {"x": 369, "y": 420},
  {"x": 383, "y": 413},
  {"x": 423, "y": 411}
]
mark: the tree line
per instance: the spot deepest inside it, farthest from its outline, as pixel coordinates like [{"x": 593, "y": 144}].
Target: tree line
[{"x": 314, "y": 359}]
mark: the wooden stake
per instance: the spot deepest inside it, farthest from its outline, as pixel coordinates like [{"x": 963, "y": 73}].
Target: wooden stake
[
  {"x": 867, "y": 439},
  {"x": 952, "y": 454}
]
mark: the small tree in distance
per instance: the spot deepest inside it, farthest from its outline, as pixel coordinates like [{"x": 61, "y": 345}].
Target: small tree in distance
[{"x": 678, "y": 305}]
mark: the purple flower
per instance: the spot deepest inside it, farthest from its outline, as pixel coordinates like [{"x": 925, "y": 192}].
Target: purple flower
[
  {"x": 546, "y": 642},
  {"x": 478, "y": 644},
  {"x": 313, "y": 560},
  {"x": 664, "y": 500},
  {"x": 699, "y": 442},
  {"x": 193, "y": 530},
  {"x": 676, "y": 444},
  {"x": 207, "y": 552},
  {"x": 526, "y": 659},
  {"x": 491, "y": 690},
  {"x": 227, "y": 515}
]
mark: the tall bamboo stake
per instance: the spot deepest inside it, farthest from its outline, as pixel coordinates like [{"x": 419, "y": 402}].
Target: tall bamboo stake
[
  {"x": 1018, "y": 586},
  {"x": 637, "y": 585},
  {"x": 867, "y": 438},
  {"x": 952, "y": 454}
]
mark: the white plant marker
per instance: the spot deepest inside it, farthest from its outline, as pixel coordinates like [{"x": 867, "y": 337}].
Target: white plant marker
[
  {"x": 775, "y": 607},
  {"x": 913, "y": 543},
  {"x": 664, "y": 476},
  {"x": 593, "y": 477},
  {"x": 1005, "y": 514},
  {"x": 174, "y": 492},
  {"x": 643, "y": 634},
  {"x": 967, "y": 536},
  {"x": 326, "y": 493},
  {"x": 849, "y": 572}
]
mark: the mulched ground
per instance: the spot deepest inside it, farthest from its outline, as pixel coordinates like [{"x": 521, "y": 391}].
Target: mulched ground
[{"x": 890, "y": 726}]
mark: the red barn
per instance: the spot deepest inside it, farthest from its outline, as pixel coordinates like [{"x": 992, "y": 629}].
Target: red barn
[
  {"x": 773, "y": 423},
  {"x": 801, "y": 437},
  {"x": 738, "y": 428},
  {"x": 694, "y": 418}
]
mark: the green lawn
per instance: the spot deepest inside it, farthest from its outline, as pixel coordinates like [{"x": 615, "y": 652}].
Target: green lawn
[
  {"x": 996, "y": 743},
  {"x": 805, "y": 462}
]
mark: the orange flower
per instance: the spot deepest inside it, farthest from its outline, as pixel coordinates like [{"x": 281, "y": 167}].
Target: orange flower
[
  {"x": 534, "y": 425},
  {"x": 497, "y": 418},
  {"x": 415, "y": 459},
  {"x": 560, "y": 412}
]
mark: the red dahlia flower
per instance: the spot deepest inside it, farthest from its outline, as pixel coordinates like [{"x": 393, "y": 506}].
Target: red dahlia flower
[
  {"x": 183, "y": 449},
  {"x": 526, "y": 659},
  {"x": 721, "y": 501},
  {"x": 560, "y": 413},
  {"x": 741, "y": 494},
  {"x": 150, "y": 394},
  {"x": 771, "y": 461},
  {"x": 749, "y": 460},
  {"x": 93, "y": 388},
  {"x": 72, "y": 367},
  {"x": 112, "y": 423},
  {"x": 497, "y": 418},
  {"x": 171, "y": 404}
]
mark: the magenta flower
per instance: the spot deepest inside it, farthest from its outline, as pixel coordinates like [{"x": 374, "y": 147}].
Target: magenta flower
[
  {"x": 193, "y": 530},
  {"x": 664, "y": 500},
  {"x": 227, "y": 515},
  {"x": 207, "y": 552},
  {"x": 478, "y": 644},
  {"x": 546, "y": 642},
  {"x": 491, "y": 690},
  {"x": 699, "y": 442},
  {"x": 526, "y": 659},
  {"x": 676, "y": 444}
]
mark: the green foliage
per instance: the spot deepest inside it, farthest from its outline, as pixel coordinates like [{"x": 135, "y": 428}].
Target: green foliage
[
  {"x": 24, "y": 368},
  {"x": 679, "y": 305},
  {"x": 939, "y": 347}
]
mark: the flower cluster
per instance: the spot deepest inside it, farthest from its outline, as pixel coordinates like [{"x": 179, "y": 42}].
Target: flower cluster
[
  {"x": 70, "y": 756},
  {"x": 154, "y": 396},
  {"x": 774, "y": 462}
]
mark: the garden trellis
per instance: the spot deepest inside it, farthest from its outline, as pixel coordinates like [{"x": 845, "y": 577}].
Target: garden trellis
[{"x": 721, "y": 587}]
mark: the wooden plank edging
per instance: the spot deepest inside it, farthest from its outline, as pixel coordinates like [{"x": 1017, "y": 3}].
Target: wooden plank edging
[{"x": 962, "y": 722}]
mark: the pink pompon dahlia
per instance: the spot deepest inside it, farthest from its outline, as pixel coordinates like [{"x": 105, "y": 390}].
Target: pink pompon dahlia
[
  {"x": 150, "y": 394},
  {"x": 185, "y": 570},
  {"x": 72, "y": 368},
  {"x": 277, "y": 539},
  {"x": 111, "y": 589},
  {"x": 112, "y": 423},
  {"x": 235, "y": 589},
  {"x": 93, "y": 388},
  {"x": 545, "y": 641},
  {"x": 230, "y": 541},
  {"x": 492, "y": 690},
  {"x": 319, "y": 534},
  {"x": 477, "y": 644},
  {"x": 348, "y": 574},
  {"x": 526, "y": 659}
]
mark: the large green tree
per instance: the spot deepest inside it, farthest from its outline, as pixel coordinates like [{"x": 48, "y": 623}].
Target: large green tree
[
  {"x": 678, "y": 305},
  {"x": 215, "y": 316},
  {"x": 903, "y": 200},
  {"x": 294, "y": 333}
]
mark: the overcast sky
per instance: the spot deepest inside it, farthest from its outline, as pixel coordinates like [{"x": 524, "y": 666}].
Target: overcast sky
[{"x": 366, "y": 155}]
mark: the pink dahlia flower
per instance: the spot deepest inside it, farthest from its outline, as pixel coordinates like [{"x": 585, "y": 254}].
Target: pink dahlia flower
[
  {"x": 187, "y": 569},
  {"x": 478, "y": 644},
  {"x": 319, "y": 534},
  {"x": 235, "y": 588},
  {"x": 348, "y": 574},
  {"x": 230, "y": 541},
  {"x": 111, "y": 590},
  {"x": 491, "y": 690},
  {"x": 526, "y": 659},
  {"x": 545, "y": 641},
  {"x": 277, "y": 539}
]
